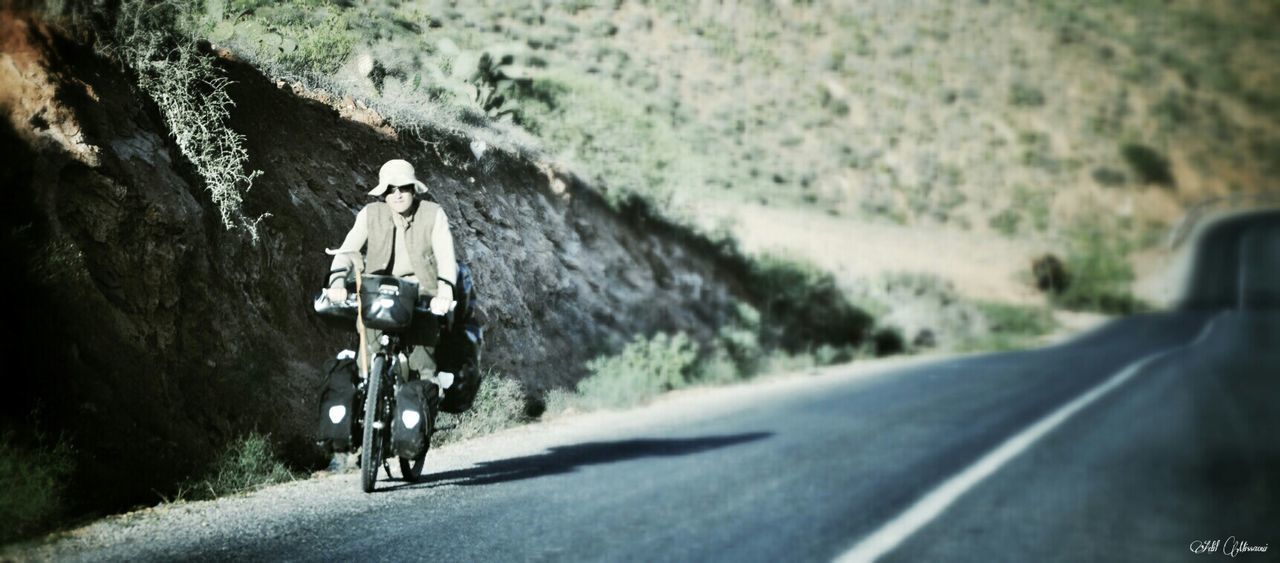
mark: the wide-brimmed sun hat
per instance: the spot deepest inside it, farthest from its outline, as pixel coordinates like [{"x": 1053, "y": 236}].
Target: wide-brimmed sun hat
[{"x": 397, "y": 173}]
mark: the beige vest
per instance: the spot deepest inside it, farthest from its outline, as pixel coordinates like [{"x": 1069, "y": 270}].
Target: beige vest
[{"x": 381, "y": 245}]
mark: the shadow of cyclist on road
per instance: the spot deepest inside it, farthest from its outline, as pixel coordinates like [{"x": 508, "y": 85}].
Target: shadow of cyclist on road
[{"x": 565, "y": 459}]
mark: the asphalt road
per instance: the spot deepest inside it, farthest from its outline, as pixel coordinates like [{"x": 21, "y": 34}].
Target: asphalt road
[{"x": 1130, "y": 443}]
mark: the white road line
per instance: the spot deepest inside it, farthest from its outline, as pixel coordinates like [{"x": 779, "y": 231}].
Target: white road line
[
  {"x": 925, "y": 510},
  {"x": 1204, "y": 334}
]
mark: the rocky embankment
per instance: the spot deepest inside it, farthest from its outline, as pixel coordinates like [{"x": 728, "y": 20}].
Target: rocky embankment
[{"x": 149, "y": 335}]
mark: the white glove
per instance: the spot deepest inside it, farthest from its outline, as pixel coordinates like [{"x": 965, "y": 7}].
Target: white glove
[
  {"x": 336, "y": 294},
  {"x": 443, "y": 301},
  {"x": 440, "y": 305}
]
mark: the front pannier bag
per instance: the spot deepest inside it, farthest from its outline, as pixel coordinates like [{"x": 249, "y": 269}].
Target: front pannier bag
[
  {"x": 338, "y": 403},
  {"x": 409, "y": 431}
]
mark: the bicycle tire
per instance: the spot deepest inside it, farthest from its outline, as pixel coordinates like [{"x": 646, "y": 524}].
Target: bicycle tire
[{"x": 371, "y": 451}]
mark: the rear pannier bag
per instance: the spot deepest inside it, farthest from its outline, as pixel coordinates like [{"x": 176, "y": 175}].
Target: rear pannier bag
[
  {"x": 338, "y": 403},
  {"x": 458, "y": 351},
  {"x": 459, "y": 354},
  {"x": 464, "y": 292},
  {"x": 409, "y": 432}
]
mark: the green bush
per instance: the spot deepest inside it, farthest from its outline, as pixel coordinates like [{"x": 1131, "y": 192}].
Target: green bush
[
  {"x": 247, "y": 463},
  {"x": 1017, "y": 319},
  {"x": 1010, "y": 327},
  {"x": 827, "y": 355},
  {"x": 1006, "y": 222},
  {"x": 781, "y": 362},
  {"x": 33, "y": 482},
  {"x": 310, "y": 38},
  {"x": 1151, "y": 166},
  {"x": 319, "y": 47},
  {"x": 1098, "y": 264},
  {"x": 1026, "y": 95},
  {"x": 1109, "y": 177},
  {"x": 645, "y": 368},
  {"x": 648, "y": 367},
  {"x": 740, "y": 343},
  {"x": 719, "y": 368},
  {"x": 887, "y": 341},
  {"x": 503, "y": 88},
  {"x": 237, "y": 7},
  {"x": 802, "y": 307}
]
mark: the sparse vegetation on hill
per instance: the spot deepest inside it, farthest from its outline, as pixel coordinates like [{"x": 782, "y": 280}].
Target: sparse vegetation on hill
[
  {"x": 874, "y": 110},
  {"x": 994, "y": 117},
  {"x": 877, "y": 111}
]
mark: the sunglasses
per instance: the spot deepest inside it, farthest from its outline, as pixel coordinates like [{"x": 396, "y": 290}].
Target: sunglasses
[{"x": 408, "y": 189}]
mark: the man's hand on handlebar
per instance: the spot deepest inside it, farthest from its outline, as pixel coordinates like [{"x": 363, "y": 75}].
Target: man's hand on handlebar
[
  {"x": 440, "y": 305},
  {"x": 336, "y": 294}
]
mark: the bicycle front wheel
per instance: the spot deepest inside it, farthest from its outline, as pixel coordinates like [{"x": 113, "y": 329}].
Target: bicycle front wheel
[{"x": 371, "y": 452}]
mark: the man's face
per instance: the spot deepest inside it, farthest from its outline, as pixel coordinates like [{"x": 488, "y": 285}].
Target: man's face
[{"x": 400, "y": 198}]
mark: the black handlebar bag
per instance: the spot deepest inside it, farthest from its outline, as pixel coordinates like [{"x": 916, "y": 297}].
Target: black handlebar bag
[
  {"x": 392, "y": 304},
  {"x": 387, "y": 302}
]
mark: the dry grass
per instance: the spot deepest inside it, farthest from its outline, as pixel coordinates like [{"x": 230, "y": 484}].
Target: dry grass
[
  {"x": 34, "y": 475},
  {"x": 500, "y": 403},
  {"x": 247, "y": 463}
]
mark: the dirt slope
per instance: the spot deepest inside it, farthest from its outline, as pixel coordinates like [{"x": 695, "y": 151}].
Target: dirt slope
[{"x": 150, "y": 335}]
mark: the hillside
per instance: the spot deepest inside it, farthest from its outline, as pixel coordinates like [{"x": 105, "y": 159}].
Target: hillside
[{"x": 1080, "y": 129}]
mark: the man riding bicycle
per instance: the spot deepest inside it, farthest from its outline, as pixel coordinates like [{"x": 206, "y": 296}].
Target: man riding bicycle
[{"x": 403, "y": 236}]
